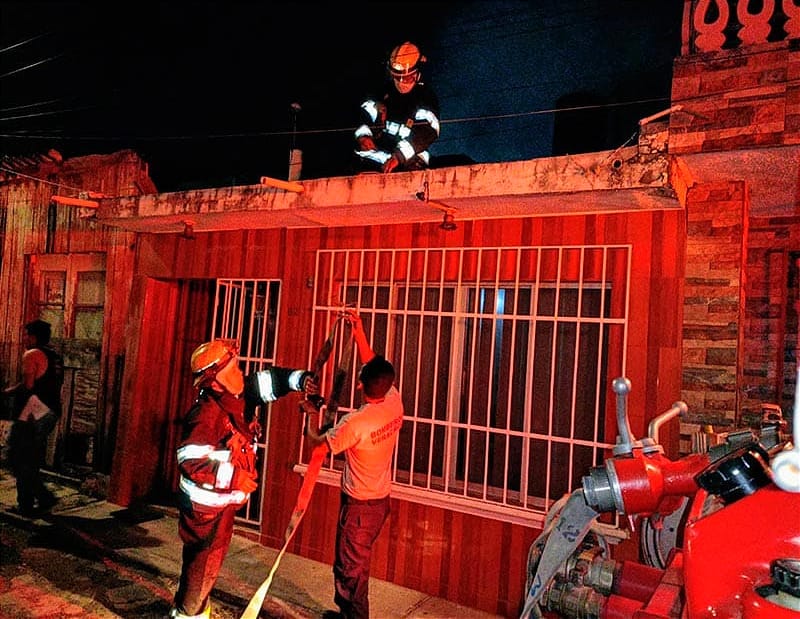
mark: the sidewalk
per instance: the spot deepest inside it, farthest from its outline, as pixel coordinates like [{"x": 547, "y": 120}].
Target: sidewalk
[{"x": 148, "y": 537}]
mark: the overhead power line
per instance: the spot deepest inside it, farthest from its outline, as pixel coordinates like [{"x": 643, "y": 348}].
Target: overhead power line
[
  {"x": 21, "y": 43},
  {"x": 31, "y": 66},
  {"x": 29, "y": 105},
  {"x": 255, "y": 134},
  {"x": 42, "y": 180}
]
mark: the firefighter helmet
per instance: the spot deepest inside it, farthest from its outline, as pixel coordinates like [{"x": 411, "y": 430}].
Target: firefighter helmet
[
  {"x": 210, "y": 357},
  {"x": 404, "y": 62}
]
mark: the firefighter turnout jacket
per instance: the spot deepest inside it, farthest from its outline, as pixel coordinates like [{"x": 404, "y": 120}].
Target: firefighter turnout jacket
[
  {"x": 403, "y": 125},
  {"x": 218, "y": 442}
]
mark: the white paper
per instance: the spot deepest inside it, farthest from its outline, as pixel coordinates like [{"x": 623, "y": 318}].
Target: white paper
[{"x": 34, "y": 409}]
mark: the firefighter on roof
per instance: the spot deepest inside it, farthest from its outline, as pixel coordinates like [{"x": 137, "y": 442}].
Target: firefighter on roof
[
  {"x": 397, "y": 129},
  {"x": 217, "y": 462}
]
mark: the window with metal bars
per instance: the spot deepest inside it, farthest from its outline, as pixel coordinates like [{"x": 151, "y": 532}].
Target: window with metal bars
[{"x": 503, "y": 359}]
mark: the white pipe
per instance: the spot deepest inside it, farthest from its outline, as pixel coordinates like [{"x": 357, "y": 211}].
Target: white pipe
[
  {"x": 647, "y": 119},
  {"x": 625, "y": 440},
  {"x": 678, "y": 409},
  {"x": 786, "y": 465}
]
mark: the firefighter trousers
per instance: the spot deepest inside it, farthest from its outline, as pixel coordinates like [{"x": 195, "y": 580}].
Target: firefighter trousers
[{"x": 206, "y": 537}]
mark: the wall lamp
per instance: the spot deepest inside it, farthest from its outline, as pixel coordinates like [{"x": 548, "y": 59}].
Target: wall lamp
[
  {"x": 188, "y": 229},
  {"x": 448, "y": 219},
  {"x": 448, "y": 222}
]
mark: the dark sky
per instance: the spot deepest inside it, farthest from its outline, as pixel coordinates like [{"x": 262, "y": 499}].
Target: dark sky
[{"x": 202, "y": 90}]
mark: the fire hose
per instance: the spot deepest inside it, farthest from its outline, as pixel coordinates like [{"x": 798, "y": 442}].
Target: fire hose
[
  {"x": 719, "y": 502},
  {"x": 317, "y": 454}
]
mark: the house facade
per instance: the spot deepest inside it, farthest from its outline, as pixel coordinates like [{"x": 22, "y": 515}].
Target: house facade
[
  {"x": 508, "y": 295},
  {"x": 59, "y": 263}
]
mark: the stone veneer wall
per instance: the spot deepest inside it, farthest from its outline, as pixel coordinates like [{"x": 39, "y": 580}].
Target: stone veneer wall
[
  {"x": 769, "y": 363},
  {"x": 713, "y": 304},
  {"x": 742, "y": 98},
  {"x": 741, "y": 305},
  {"x": 740, "y": 325}
]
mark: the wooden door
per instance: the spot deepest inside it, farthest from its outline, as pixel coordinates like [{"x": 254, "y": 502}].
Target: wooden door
[{"x": 68, "y": 291}]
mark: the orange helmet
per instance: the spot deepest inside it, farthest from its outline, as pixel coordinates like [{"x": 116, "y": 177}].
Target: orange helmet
[
  {"x": 209, "y": 358},
  {"x": 405, "y": 61}
]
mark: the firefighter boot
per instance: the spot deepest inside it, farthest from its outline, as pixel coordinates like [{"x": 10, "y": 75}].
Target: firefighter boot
[{"x": 174, "y": 613}]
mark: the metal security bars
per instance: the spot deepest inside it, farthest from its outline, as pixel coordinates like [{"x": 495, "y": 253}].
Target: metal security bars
[
  {"x": 503, "y": 358},
  {"x": 247, "y": 311}
]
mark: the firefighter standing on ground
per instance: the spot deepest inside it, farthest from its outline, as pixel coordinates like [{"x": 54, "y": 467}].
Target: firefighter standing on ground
[
  {"x": 39, "y": 408},
  {"x": 367, "y": 437},
  {"x": 217, "y": 462},
  {"x": 397, "y": 129}
]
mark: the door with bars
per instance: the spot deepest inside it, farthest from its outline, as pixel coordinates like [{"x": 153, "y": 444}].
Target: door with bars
[{"x": 247, "y": 310}]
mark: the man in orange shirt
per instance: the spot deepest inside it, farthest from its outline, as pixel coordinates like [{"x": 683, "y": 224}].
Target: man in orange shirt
[{"x": 367, "y": 437}]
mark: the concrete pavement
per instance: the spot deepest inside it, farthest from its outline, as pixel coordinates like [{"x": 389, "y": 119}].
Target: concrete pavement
[{"x": 147, "y": 537}]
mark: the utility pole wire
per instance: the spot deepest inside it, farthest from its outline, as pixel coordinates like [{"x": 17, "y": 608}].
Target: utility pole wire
[
  {"x": 333, "y": 130},
  {"x": 26, "y": 41},
  {"x": 50, "y": 113},
  {"x": 28, "y": 105},
  {"x": 31, "y": 66}
]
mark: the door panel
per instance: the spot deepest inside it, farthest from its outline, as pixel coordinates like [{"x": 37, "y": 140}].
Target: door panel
[{"x": 68, "y": 291}]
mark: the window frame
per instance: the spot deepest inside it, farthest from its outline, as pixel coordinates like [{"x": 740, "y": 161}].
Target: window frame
[{"x": 339, "y": 272}]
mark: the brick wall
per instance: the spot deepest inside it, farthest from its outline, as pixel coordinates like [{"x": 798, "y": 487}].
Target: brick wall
[
  {"x": 713, "y": 303},
  {"x": 769, "y": 363},
  {"x": 740, "y": 325},
  {"x": 742, "y": 98},
  {"x": 740, "y": 329}
]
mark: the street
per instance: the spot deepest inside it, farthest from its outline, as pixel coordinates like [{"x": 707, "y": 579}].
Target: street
[
  {"x": 70, "y": 563},
  {"x": 95, "y": 559},
  {"x": 50, "y": 571}
]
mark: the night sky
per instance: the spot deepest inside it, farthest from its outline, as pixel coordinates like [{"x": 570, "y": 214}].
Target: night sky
[{"x": 202, "y": 90}]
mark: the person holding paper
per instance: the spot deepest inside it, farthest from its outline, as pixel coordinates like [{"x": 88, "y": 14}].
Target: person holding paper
[{"x": 39, "y": 398}]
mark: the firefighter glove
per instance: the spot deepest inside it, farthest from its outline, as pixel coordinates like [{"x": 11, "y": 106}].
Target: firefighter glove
[
  {"x": 391, "y": 163},
  {"x": 308, "y": 383},
  {"x": 366, "y": 143},
  {"x": 312, "y": 404}
]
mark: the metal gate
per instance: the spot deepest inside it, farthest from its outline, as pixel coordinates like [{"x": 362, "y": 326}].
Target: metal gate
[{"x": 247, "y": 310}]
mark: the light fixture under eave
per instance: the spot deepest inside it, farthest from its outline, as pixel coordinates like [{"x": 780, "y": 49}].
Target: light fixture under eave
[
  {"x": 448, "y": 222},
  {"x": 188, "y": 229}
]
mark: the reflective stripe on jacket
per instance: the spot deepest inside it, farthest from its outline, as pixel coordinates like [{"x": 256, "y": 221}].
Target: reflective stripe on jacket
[
  {"x": 217, "y": 494},
  {"x": 214, "y": 426},
  {"x": 404, "y": 125},
  {"x": 209, "y": 497}
]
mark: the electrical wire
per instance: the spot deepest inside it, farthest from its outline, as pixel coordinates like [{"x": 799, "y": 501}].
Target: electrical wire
[
  {"x": 21, "y": 43},
  {"x": 50, "y": 113},
  {"x": 29, "y": 105},
  {"x": 42, "y": 180},
  {"x": 444, "y": 121},
  {"x": 484, "y": 23},
  {"x": 469, "y": 119},
  {"x": 32, "y": 65}
]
